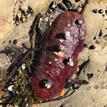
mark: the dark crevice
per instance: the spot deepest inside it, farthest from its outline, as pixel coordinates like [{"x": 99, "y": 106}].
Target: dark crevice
[
  {"x": 54, "y": 48},
  {"x": 61, "y": 36}
]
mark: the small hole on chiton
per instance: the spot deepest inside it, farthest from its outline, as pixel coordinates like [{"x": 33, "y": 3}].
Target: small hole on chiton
[{"x": 100, "y": 33}]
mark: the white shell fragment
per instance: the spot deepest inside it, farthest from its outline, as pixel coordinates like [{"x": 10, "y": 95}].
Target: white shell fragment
[
  {"x": 10, "y": 88},
  {"x": 23, "y": 66},
  {"x": 70, "y": 63},
  {"x": 48, "y": 85}
]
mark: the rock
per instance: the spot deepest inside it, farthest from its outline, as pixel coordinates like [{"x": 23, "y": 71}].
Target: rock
[
  {"x": 39, "y": 5},
  {"x": 94, "y": 21},
  {"x": 6, "y": 18},
  {"x": 9, "y": 11}
]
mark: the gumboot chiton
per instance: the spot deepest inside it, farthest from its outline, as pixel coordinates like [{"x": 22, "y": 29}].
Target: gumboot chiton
[{"x": 60, "y": 49}]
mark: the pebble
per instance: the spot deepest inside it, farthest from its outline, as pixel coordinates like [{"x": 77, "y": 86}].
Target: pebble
[
  {"x": 94, "y": 10},
  {"x": 100, "y": 33},
  {"x": 105, "y": 37},
  {"x": 94, "y": 38},
  {"x": 100, "y": 11},
  {"x": 15, "y": 41},
  {"x": 62, "y": 6},
  {"x": 89, "y": 75},
  {"x": 92, "y": 47},
  {"x": 76, "y": 86},
  {"x": 96, "y": 86},
  {"x": 106, "y": 12}
]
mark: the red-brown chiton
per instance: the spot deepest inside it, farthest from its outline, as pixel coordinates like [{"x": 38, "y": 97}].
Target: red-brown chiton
[{"x": 59, "y": 57}]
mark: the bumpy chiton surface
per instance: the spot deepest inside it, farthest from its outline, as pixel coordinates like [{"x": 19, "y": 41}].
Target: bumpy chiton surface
[{"x": 60, "y": 49}]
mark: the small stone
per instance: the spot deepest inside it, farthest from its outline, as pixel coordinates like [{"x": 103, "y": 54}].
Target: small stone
[
  {"x": 62, "y": 105},
  {"x": 14, "y": 41},
  {"x": 92, "y": 47},
  {"x": 69, "y": 25},
  {"x": 100, "y": 33},
  {"x": 67, "y": 34},
  {"x": 68, "y": 62},
  {"x": 68, "y": 4},
  {"x": 77, "y": 0},
  {"x": 90, "y": 75},
  {"x": 94, "y": 10},
  {"x": 10, "y": 41},
  {"x": 49, "y": 62},
  {"x": 103, "y": 15},
  {"x": 76, "y": 86},
  {"x": 100, "y": 11},
  {"x": 94, "y": 38},
  {"x": 96, "y": 86},
  {"x": 62, "y": 6},
  {"x": 48, "y": 85},
  {"x": 106, "y": 12},
  {"x": 16, "y": 106}
]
